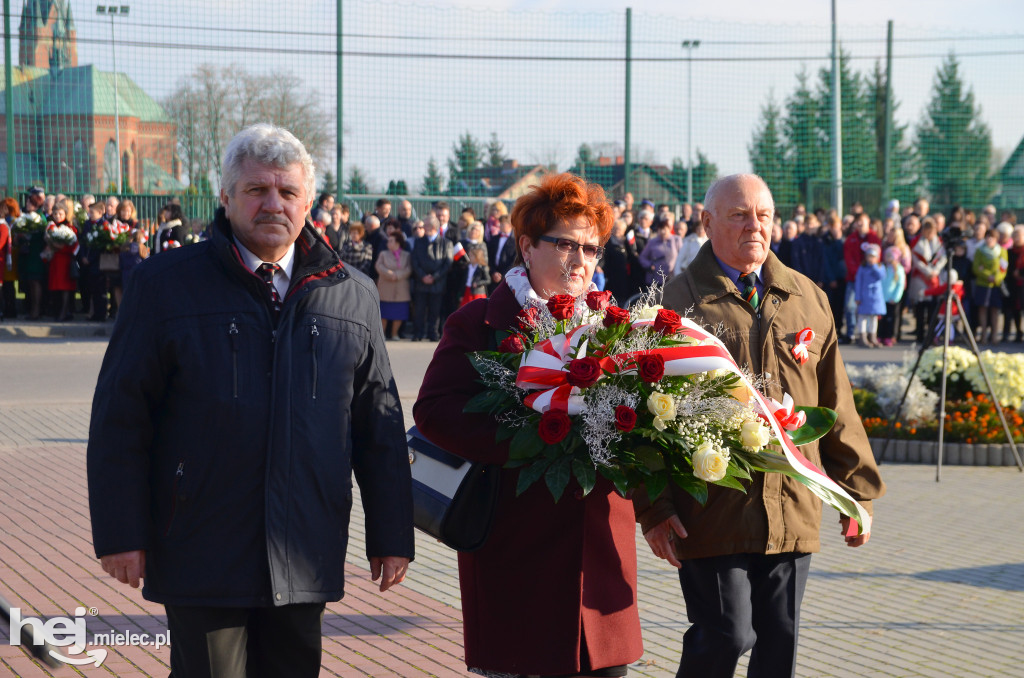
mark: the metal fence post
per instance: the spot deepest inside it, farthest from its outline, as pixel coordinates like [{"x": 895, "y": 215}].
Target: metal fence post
[
  {"x": 338, "y": 99},
  {"x": 887, "y": 167},
  {"x": 9, "y": 97},
  {"x": 629, "y": 97}
]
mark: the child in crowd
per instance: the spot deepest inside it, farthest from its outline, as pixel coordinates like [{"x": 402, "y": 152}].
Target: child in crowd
[
  {"x": 869, "y": 296},
  {"x": 478, "y": 275},
  {"x": 893, "y": 286},
  {"x": 989, "y": 268}
]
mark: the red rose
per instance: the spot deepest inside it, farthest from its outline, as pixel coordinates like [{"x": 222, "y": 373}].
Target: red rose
[
  {"x": 667, "y": 322},
  {"x": 651, "y": 367},
  {"x": 528, "y": 319},
  {"x": 512, "y": 344},
  {"x": 625, "y": 418},
  {"x": 562, "y": 306},
  {"x": 584, "y": 372},
  {"x": 616, "y": 316},
  {"x": 554, "y": 426},
  {"x": 598, "y": 301}
]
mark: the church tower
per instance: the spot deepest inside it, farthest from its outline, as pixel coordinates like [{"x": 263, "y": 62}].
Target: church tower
[{"x": 46, "y": 35}]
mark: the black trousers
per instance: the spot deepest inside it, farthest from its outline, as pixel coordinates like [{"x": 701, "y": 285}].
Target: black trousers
[
  {"x": 238, "y": 642},
  {"x": 742, "y": 602},
  {"x": 427, "y": 315}
]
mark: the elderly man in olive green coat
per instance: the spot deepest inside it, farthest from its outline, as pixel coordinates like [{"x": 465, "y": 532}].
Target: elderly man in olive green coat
[{"x": 743, "y": 558}]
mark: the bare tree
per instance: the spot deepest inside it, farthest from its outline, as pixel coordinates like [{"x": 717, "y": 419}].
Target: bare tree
[{"x": 213, "y": 103}]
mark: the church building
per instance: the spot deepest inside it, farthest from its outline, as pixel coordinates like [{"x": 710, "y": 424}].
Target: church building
[{"x": 64, "y": 116}]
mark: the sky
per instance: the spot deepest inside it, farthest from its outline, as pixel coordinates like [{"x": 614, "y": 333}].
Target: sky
[{"x": 566, "y": 85}]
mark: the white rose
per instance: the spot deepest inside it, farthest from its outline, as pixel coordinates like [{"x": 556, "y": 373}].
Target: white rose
[
  {"x": 660, "y": 424},
  {"x": 753, "y": 435},
  {"x": 709, "y": 464},
  {"x": 647, "y": 313},
  {"x": 662, "y": 406}
]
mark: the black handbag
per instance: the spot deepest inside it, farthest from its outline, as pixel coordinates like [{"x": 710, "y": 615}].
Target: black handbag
[{"x": 453, "y": 499}]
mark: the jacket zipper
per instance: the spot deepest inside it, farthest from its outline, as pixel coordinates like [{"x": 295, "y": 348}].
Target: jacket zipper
[
  {"x": 174, "y": 496},
  {"x": 313, "y": 335},
  {"x": 233, "y": 334}
]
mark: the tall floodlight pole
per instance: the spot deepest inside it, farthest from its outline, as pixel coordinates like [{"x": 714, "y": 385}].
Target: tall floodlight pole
[
  {"x": 112, "y": 11},
  {"x": 690, "y": 45},
  {"x": 837, "y": 125}
]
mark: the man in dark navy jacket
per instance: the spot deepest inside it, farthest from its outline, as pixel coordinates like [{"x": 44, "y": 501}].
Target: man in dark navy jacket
[{"x": 245, "y": 381}]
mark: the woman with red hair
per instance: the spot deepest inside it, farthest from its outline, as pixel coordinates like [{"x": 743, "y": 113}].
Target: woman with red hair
[{"x": 553, "y": 590}]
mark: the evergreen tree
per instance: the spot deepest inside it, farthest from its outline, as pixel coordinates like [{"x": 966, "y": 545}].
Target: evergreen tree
[
  {"x": 769, "y": 155},
  {"x": 859, "y": 148},
  {"x": 495, "y": 152},
  {"x": 904, "y": 163},
  {"x": 467, "y": 155},
  {"x": 433, "y": 183},
  {"x": 330, "y": 185},
  {"x": 584, "y": 157},
  {"x": 808, "y": 153},
  {"x": 356, "y": 182},
  {"x": 954, "y": 143},
  {"x": 397, "y": 187},
  {"x": 704, "y": 174}
]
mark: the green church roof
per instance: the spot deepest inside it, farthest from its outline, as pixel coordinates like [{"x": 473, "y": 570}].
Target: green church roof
[{"x": 84, "y": 90}]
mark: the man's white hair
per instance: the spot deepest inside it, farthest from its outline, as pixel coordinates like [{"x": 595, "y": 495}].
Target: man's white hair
[
  {"x": 268, "y": 145},
  {"x": 709, "y": 197}
]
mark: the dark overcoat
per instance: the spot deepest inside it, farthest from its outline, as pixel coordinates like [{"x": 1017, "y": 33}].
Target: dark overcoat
[{"x": 224, "y": 443}]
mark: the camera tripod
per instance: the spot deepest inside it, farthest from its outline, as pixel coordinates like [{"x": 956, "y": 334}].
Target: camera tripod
[{"x": 933, "y": 324}]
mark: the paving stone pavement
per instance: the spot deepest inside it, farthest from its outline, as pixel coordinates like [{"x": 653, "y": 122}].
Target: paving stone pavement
[{"x": 938, "y": 591}]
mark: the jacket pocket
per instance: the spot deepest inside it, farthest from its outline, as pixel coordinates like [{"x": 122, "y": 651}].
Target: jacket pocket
[
  {"x": 233, "y": 338},
  {"x": 314, "y": 336},
  {"x": 176, "y": 497}
]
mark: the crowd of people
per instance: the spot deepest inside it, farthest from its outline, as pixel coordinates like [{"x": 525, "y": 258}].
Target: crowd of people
[
  {"x": 873, "y": 268},
  {"x": 71, "y": 256}
]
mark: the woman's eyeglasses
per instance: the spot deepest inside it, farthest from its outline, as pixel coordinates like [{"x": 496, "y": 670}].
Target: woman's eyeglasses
[{"x": 567, "y": 246}]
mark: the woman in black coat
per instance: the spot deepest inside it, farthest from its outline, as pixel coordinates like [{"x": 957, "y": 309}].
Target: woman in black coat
[{"x": 619, "y": 257}]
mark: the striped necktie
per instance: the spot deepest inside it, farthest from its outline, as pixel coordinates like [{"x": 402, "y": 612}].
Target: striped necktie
[
  {"x": 748, "y": 289},
  {"x": 266, "y": 272}
]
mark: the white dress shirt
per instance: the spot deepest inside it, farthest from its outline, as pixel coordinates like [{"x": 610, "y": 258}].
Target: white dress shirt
[{"x": 283, "y": 278}]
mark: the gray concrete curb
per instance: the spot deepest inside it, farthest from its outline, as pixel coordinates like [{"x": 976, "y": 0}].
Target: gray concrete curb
[
  {"x": 21, "y": 329},
  {"x": 953, "y": 454}
]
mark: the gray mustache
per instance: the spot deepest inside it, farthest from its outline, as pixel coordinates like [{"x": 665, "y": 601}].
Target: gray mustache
[{"x": 272, "y": 219}]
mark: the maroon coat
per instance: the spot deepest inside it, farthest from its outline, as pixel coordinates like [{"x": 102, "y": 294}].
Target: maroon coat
[{"x": 551, "y": 574}]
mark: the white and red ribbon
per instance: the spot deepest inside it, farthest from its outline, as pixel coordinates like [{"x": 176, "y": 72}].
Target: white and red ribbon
[
  {"x": 786, "y": 414},
  {"x": 543, "y": 369},
  {"x": 803, "y": 339}
]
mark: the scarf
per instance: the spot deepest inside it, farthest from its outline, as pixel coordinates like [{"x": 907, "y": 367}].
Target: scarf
[
  {"x": 993, "y": 253},
  {"x": 519, "y": 282}
]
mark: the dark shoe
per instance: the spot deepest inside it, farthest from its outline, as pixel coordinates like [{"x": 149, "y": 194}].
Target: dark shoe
[{"x": 417, "y": 339}]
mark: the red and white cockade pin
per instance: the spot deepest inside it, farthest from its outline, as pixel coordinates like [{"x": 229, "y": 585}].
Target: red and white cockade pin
[{"x": 803, "y": 339}]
